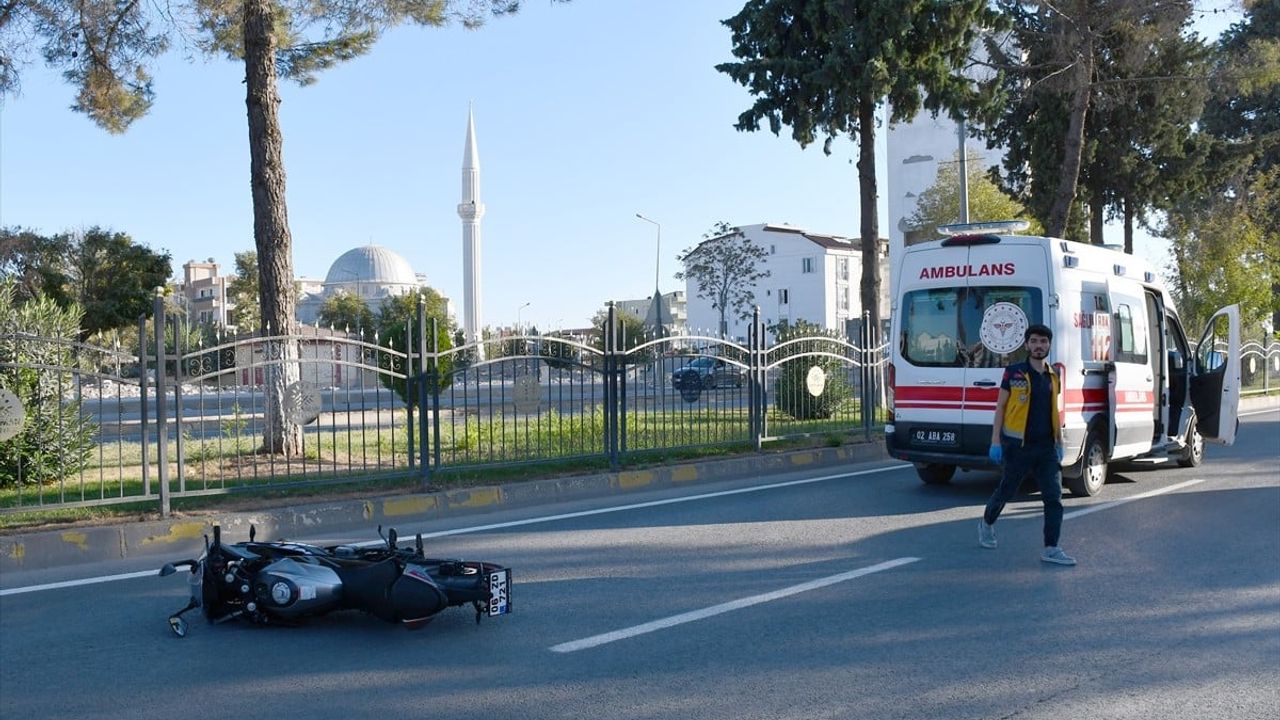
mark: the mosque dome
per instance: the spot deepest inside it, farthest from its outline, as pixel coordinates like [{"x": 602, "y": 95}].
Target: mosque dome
[{"x": 370, "y": 271}]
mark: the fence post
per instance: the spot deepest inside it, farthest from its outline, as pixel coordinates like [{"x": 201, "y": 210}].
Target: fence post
[
  {"x": 180, "y": 443},
  {"x": 864, "y": 353},
  {"x": 411, "y": 382},
  {"x": 143, "y": 356},
  {"x": 611, "y": 387},
  {"x": 755, "y": 380},
  {"x": 433, "y": 386},
  {"x": 162, "y": 431}
]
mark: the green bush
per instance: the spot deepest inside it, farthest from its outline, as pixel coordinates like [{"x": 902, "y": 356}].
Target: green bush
[
  {"x": 36, "y": 357},
  {"x": 791, "y": 392}
]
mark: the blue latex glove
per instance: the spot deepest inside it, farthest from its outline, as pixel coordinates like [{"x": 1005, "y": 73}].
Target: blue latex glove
[
  {"x": 996, "y": 453},
  {"x": 1060, "y": 451}
]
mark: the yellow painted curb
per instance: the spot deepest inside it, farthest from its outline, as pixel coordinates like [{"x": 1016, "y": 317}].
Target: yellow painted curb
[
  {"x": 408, "y": 506},
  {"x": 807, "y": 458},
  {"x": 78, "y": 539},
  {"x": 635, "y": 479},
  {"x": 18, "y": 551},
  {"x": 684, "y": 473},
  {"x": 476, "y": 498},
  {"x": 177, "y": 531}
]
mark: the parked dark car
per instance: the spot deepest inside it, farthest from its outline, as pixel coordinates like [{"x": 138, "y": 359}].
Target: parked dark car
[{"x": 707, "y": 372}]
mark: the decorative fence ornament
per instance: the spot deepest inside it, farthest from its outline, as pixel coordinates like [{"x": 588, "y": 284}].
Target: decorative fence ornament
[
  {"x": 12, "y": 415},
  {"x": 816, "y": 381},
  {"x": 301, "y": 403}
]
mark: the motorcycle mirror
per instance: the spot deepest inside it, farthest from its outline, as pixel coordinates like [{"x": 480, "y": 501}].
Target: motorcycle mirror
[
  {"x": 217, "y": 534},
  {"x": 418, "y": 544},
  {"x": 168, "y": 570},
  {"x": 253, "y": 532},
  {"x": 178, "y": 626},
  {"x": 391, "y": 538}
]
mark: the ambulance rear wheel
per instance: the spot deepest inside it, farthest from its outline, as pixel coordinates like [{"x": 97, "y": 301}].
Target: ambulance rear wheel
[
  {"x": 1093, "y": 468},
  {"x": 1193, "y": 454},
  {"x": 935, "y": 473}
]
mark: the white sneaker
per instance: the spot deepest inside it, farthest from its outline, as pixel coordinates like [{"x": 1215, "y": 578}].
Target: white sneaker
[
  {"x": 986, "y": 534},
  {"x": 1056, "y": 556}
]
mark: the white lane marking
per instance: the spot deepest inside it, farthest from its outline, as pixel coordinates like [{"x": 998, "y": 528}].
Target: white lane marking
[
  {"x": 512, "y": 523},
  {"x": 1131, "y": 498},
  {"x": 1258, "y": 412},
  {"x": 78, "y": 583},
  {"x": 596, "y": 640}
]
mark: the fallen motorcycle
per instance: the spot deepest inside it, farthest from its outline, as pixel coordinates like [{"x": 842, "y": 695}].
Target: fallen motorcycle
[{"x": 286, "y": 582}]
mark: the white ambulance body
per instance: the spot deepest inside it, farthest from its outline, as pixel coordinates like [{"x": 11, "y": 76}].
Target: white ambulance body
[{"x": 1131, "y": 387}]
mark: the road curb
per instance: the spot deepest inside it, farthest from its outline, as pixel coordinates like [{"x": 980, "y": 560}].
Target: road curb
[{"x": 184, "y": 537}]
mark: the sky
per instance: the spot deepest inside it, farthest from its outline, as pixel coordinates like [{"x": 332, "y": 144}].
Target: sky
[{"x": 586, "y": 113}]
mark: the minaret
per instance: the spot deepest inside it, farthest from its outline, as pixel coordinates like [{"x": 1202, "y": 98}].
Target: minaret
[{"x": 471, "y": 210}]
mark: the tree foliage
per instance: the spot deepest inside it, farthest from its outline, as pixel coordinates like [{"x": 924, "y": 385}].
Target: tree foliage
[
  {"x": 822, "y": 67},
  {"x": 35, "y": 341},
  {"x": 1077, "y": 76},
  {"x": 1225, "y": 237},
  {"x": 242, "y": 291},
  {"x": 346, "y": 311},
  {"x": 724, "y": 268},
  {"x": 939, "y": 204},
  {"x": 399, "y": 331},
  {"x": 631, "y": 332},
  {"x": 103, "y": 273}
]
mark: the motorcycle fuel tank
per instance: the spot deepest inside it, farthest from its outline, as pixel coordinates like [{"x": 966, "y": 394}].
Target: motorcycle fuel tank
[{"x": 289, "y": 588}]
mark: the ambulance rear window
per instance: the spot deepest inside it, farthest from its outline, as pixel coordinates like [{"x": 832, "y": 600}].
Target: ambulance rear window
[{"x": 942, "y": 327}]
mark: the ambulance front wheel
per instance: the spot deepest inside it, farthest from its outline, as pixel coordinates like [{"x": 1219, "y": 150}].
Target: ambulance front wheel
[
  {"x": 935, "y": 473},
  {"x": 1087, "y": 479}
]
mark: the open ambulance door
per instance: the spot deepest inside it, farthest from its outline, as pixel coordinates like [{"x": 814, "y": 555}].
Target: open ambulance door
[{"x": 1215, "y": 379}]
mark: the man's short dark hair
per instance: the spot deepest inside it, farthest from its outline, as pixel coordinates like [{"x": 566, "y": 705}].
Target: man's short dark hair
[{"x": 1038, "y": 329}]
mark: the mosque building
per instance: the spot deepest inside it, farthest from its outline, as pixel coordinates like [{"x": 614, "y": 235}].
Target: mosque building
[{"x": 372, "y": 273}]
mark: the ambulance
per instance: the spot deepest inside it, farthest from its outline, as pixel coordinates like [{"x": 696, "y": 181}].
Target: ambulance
[{"x": 1133, "y": 387}]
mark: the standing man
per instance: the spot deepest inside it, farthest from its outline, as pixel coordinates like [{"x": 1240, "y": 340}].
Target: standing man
[{"x": 1026, "y": 437}]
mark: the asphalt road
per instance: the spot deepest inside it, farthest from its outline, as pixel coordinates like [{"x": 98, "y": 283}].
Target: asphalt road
[{"x": 802, "y": 596}]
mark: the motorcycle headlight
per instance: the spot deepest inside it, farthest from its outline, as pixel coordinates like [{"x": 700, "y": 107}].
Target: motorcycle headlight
[{"x": 281, "y": 593}]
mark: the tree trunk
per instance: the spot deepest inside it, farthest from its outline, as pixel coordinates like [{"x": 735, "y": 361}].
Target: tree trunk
[
  {"x": 270, "y": 227},
  {"x": 1128, "y": 225},
  {"x": 870, "y": 227},
  {"x": 1073, "y": 145},
  {"x": 1097, "y": 215}
]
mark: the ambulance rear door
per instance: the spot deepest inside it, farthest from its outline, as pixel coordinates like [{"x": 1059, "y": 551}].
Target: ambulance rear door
[
  {"x": 1215, "y": 379},
  {"x": 963, "y": 315},
  {"x": 1008, "y": 288}
]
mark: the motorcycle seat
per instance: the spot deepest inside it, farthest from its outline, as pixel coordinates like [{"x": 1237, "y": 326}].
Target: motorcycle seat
[{"x": 365, "y": 586}]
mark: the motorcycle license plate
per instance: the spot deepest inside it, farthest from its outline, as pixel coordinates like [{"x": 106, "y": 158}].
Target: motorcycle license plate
[
  {"x": 935, "y": 437},
  {"x": 499, "y": 582}
]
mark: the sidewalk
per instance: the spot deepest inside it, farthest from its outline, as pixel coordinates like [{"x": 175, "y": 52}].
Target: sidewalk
[{"x": 184, "y": 536}]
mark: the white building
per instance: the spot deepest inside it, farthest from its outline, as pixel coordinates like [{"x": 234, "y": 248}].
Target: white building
[
  {"x": 675, "y": 310},
  {"x": 205, "y": 294},
  {"x": 813, "y": 277}
]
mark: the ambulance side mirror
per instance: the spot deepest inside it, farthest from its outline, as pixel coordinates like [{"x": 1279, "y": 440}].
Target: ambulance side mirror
[{"x": 1175, "y": 360}]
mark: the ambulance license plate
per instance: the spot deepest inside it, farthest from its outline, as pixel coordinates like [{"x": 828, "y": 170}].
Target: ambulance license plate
[{"x": 935, "y": 437}]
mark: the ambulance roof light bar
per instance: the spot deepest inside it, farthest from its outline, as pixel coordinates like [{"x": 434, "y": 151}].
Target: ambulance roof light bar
[{"x": 984, "y": 228}]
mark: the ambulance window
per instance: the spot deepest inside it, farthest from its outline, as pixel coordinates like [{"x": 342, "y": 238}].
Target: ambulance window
[
  {"x": 941, "y": 327},
  {"x": 977, "y": 300},
  {"x": 929, "y": 327},
  {"x": 1131, "y": 336}
]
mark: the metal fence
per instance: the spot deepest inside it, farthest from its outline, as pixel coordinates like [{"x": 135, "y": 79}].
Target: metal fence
[{"x": 112, "y": 421}]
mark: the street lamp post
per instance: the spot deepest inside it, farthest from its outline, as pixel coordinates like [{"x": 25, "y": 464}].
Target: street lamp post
[
  {"x": 657, "y": 261},
  {"x": 520, "y": 310}
]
